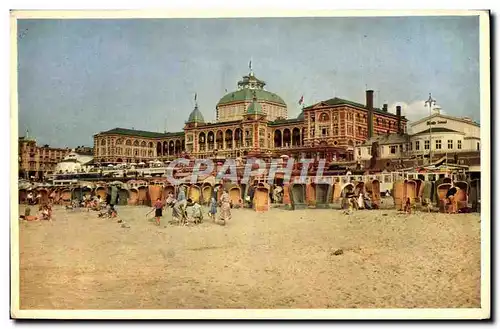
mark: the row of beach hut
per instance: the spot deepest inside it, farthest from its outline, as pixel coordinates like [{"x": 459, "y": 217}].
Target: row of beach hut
[
  {"x": 421, "y": 192},
  {"x": 296, "y": 195}
]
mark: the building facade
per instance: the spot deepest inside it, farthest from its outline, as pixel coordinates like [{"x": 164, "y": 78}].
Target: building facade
[
  {"x": 252, "y": 121},
  {"x": 444, "y": 134},
  {"x": 134, "y": 146},
  {"x": 38, "y": 161},
  {"x": 438, "y": 135}
]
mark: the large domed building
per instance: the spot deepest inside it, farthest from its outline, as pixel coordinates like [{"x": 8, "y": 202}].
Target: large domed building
[
  {"x": 252, "y": 121},
  {"x": 233, "y": 105}
]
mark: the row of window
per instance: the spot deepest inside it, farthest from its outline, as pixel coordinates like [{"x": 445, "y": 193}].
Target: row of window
[
  {"x": 359, "y": 118},
  {"x": 43, "y": 151},
  {"x": 234, "y": 111},
  {"x": 128, "y": 142},
  {"x": 438, "y": 145}
]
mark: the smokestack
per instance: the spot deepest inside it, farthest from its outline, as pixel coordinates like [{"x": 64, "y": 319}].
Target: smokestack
[
  {"x": 398, "y": 114},
  {"x": 385, "y": 107},
  {"x": 369, "y": 107}
]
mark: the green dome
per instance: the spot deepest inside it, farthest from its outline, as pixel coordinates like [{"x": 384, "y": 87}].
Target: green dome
[
  {"x": 196, "y": 116},
  {"x": 254, "y": 108},
  {"x": 246, "y": 94}
]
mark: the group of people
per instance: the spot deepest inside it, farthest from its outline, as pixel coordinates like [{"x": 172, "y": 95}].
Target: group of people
[
  {"x": 353, "y": 202},
  {"x": 44, "y": 213},
  {"x": 32, "y": 199},
  {"x": 185, "y": 210}
]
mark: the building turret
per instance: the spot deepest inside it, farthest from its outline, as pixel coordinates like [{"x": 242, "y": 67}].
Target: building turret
[{"x": 195, "y": 118}]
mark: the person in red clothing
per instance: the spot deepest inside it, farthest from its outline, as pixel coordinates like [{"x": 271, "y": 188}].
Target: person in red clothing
[{"x": 158, "y": 206}]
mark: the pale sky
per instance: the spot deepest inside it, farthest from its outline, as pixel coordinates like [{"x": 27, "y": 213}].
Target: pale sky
[{"x": 80, "y": 77}]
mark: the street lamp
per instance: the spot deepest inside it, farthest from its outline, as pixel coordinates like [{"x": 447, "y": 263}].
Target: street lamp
[{"x": 430, "y": 102}]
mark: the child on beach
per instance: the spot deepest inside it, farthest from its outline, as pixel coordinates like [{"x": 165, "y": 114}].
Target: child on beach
[
  {"x": 112, "y": 213},
  {"x": 213, "y": 208},
  {"x": 158, "y": 207}
]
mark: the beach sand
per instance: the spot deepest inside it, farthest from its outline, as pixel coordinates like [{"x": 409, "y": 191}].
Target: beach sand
[{"x": 277, "y": 259}]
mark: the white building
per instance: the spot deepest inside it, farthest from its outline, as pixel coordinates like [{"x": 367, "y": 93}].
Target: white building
[
  {"x": 74, "y": 162},
  {"x": 441, "y": 134},
  {"x": 449, "y": 135}
]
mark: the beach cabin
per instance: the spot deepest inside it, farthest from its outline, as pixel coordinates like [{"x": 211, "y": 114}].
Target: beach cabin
[
  {"x": 298, "y": 195},
  {"x": 235, "y": 195},
  {"x": 261, "y": 199},
  {"x": 475, "y": 195},
  {"x": 442, "y": 189},
  {"x": 323, "y": 193},
  {"x": 155, "y": 191},
  {"x": 462, "y": 195},
  {"x": 194, "y": 192}
]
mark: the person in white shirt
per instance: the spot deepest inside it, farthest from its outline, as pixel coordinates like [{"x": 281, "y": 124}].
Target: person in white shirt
[
  {"x": 30, "y": 197},
  {"x": 361, "y": 203}
]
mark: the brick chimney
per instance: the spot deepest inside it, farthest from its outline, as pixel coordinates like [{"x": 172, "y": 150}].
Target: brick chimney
[
  {"x": 398, "y": 114},
  {"x": 369, "y": 107},
  {"x": 385, "y": 107}
]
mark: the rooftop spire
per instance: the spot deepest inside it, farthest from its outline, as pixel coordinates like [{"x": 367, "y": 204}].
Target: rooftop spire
[{"x": 250, "y": 67}]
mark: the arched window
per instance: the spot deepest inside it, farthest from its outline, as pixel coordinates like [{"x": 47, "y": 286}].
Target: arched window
[{"x": 103, "y": 142}]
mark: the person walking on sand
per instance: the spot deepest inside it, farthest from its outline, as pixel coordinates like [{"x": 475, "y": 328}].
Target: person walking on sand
[
  {"x": 158, "y": 208},
  {"x": 213, "y": 208},
  {"x": 225, "y": 206},
  {"x": 179, "y": 211}
]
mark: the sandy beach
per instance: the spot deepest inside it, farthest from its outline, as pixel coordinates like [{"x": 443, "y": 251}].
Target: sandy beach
[{"x": 277, "y": 259}]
